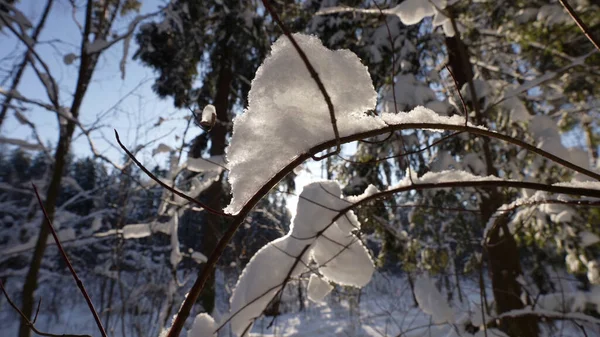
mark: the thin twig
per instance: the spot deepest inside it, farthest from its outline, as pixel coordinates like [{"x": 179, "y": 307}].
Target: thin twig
[
  {"x": 584, "y": 28},
  {"x": 376, "y": 160},
  {"x": 462, "y": 100},
  {"x": 28, "y": 322},
  {"x": 161, "y": 183},
  {"x": 37, "y": 311},
  {"x": 69, "y": 265},
  {"x": 315, "y": 76}
]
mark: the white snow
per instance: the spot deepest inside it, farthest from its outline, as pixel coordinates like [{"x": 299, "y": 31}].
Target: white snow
[
  {"x": 286, "y": 104},
  {"x": 340, "y": 256},
  {"x": 51, "y": 86},
  {"x": 199, "y": 257},
  {"x": 209, "y": 116},
  {"x": 411, "y": 12},
  {"x": 287, "y": 114},
  {"x": 204, "y": 326},
  {"x": 136, "y": 231},
  {"x": 214, "y": 163},
  {"x": 432, "y": 302},
  {"x": 21, "y": 143},
  {"x": 318, "y": 288}
]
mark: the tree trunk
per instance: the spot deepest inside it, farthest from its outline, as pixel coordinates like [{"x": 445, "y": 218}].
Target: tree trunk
[
  {"x": 86, "y": 69},
  {"x": 502, "y": 252},
  {"x": 504, "y": 268},
  {"x": 214, "y": 193}
]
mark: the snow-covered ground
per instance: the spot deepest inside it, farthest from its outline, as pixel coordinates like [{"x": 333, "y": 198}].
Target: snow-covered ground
[{"x": 386, "y": 309}]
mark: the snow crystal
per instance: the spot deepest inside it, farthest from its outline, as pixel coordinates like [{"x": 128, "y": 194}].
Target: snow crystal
[
  {"x": 287, "y": 114},
  {"x": 318, "y": 288},
  {"x": 204, "y": 326},
  {"x": 338, "y": 253},
  {"x": 432, "y": 302}
]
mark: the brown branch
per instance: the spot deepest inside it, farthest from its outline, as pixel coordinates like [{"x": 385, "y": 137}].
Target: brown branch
[
  {"x": 376, "y": 160},
  {"x": 69, "y": 265},
  {"x": 464, "y": 184},
  {"x": 584, "y": 28},
  {"x": 29, "y": 323},
  {"x": 31, "y": 51},
  {"x": 161, "y": 183},
  {"x": 21, "y": 68},
  {"x": 239, "y": 218},
  {"x": 315, "y": 76}
]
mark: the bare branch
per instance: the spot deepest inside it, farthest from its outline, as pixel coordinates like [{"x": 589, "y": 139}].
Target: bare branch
[
  {"x": 161, "y": 183},
  {"x": 30, "y": 324},
  {"x": 580, "y": 23},
  {"x": 69, "y": 265}
]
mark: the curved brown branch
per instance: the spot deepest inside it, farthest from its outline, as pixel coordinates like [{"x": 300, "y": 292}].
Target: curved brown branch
[
  {"x": 238, "y": 219},
  {"x": 69, "y": 265},
  {"x": 377, "y": 160}
]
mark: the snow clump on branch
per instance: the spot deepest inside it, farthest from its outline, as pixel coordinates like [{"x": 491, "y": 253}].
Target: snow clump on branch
[
  {"x": 287, "y": 114},
  {"x": 338, "y": 253}
]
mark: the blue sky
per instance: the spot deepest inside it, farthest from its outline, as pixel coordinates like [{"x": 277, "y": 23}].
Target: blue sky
[{"x": 132, "y": 115}]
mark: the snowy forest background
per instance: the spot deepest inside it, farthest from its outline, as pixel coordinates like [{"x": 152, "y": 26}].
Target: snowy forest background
[{"x": 439, "y": 177}]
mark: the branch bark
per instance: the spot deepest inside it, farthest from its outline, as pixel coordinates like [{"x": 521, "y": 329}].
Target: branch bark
[{"x": 21, "y": 68}]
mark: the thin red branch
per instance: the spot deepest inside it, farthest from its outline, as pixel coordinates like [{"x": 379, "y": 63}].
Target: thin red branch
[{"x": 69, "y": 265}]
